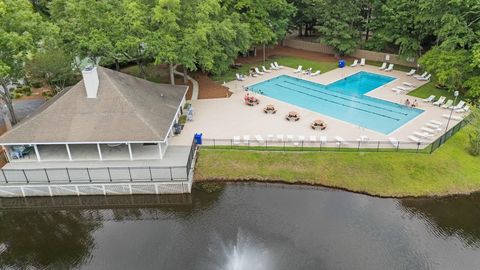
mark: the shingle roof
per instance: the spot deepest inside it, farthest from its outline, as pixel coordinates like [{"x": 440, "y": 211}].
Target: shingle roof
[{"x": 126, "y": 109}]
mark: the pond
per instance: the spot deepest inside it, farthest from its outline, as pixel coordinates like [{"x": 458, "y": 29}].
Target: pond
[{"x": 241, "y": 226}]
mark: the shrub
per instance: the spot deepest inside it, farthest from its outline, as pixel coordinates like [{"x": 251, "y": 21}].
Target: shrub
[
  {"x": 37, "y": 84},
  {"x": 24, "y": 90},
  {"x": 48, "y": 94},
  {"x": 182, "y": 120}
]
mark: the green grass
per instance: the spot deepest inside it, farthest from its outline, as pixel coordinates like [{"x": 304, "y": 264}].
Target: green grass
[
  {"x": 288, "y": 61},
  {"x": 449, "y": 170},
  {"x": 429, "y": 89}
]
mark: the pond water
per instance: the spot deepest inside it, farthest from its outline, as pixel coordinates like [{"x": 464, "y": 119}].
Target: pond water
[{"x": 241, "y": 226}]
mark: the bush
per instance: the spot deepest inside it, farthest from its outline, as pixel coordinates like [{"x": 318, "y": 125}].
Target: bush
[
  {"x": 474, "y": 133},
  {"x": 182, "y": 120},
  {"x": 48, "y": 94},
  {"x": 37, "y": 84},
  {"x": 24, "y": 90},
  {"x": 186, "y": 106}
]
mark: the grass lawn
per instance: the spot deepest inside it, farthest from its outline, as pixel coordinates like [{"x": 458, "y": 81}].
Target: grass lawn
[
  {"x": 429, "y": 89},
  {"x": 449, "y": 170},
  {"x": 288, "y": 61}
]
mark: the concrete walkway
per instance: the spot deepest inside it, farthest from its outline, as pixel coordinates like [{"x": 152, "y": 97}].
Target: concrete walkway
[{"x": 194, "y": 83}]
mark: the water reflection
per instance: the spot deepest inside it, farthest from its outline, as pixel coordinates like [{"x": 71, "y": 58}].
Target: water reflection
[
  {"x": 229, "y": 227},
  {"x": 457, "y": 216}
]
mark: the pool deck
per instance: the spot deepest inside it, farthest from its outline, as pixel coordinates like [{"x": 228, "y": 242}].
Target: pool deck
[{"x": 228, "y": 117}]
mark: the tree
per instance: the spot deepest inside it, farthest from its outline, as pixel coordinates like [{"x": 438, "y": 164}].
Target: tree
[
  {"x": 305, "y": 18},
  {"x": 473, "y": 130},
  {"x": 52, "y": 66},
  {"x": 21, "y": 30},
  {"x": 340, "y": 24}
]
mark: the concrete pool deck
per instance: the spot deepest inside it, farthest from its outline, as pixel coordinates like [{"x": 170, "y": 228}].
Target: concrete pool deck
[{"x": 228, "y": 117}]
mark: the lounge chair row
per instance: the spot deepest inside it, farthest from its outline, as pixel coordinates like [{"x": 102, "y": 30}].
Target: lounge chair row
[
  {"x": 461, "y": 107},
  {"x": 257, "y": 72},
  {"x": 384, "y": 67},
  {"x": 307, "y": 71},
  {"x": 355, "y": 62}
]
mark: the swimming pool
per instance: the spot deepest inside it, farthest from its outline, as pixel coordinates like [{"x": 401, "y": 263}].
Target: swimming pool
[{"x": 344, "y": 99}]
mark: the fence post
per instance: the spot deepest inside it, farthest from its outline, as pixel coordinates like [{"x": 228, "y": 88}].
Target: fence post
[
  {"x": 46, "y": 174},
  {"x": 418, "y": 146},
  {"x": 283, "y": 146},
  {"x": 171, "y": 175},
  {"x": 398, "y": 146},
  {"x": 302, "y": 145},
  {"x": 89, "y": 177},
  {"x": 109, "y": 174},
  {"x": 231, "y": 143},
  {"x": 266, "y": 144},
  {"x": 213, "y": 143},
  {"x": 378, "y": 146},
  {"x": 68, "y": 174},
  {"x": 150, "y": 170},
  {"x": 5, "y": 177},
  {"x": 358, "y": 147},
  {"x": 130, "y": 174},
  {"x": 26, "y": 177},
  {"x": 320, "y": 148}
]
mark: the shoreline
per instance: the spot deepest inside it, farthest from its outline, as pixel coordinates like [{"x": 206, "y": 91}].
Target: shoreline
[{"x": 319, "y": 185}]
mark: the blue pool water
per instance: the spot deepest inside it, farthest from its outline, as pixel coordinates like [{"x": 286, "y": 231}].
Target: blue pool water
[{"x": 344, "y": 99}]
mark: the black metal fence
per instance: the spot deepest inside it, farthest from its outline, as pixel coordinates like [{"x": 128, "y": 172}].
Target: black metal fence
[{"x": 425, "y": 146}]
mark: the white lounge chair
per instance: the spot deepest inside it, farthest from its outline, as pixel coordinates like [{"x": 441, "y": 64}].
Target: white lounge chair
[
  {"x": 448, "y": 104},
  {"x": 272, "y": 66},
  {"x": 463, "y": 110},
  {"x": 425, "y": 78},
  {"x": 301, "y": 138},
  {"x": 265, "y": 70},
  {"x": 420, "y": 76},
  {"x": 340, "y": 140},
  {"x": 460, "y": 105},
  {"x": 362, "y": 62},
  {"x": 280, "y": 137},
  {"x": 411, "y": 72},
  {"x": 239, "y": 77},
  {"x": 394, "y": 141},
  {"x": 355, "y": 63},
  {"x": 440, "y": 101},
  {"x": 246, "y": 139},
  {"x": 424, "y": 135},
  {"x": 429, "y": 130},
  {"x": 270, "y": 137},
  {"x": 277, "y": 65},
  {"x": 384, "y": 66},
  {"x": 390, "y": 67},
  {"x": 236, "y": 140},
  {"x": 397, "y": 90},
  {"x": 363, "y": 138},
  {"x": 316, "y": 73},
  {"x": 258, "y": 71},
  {"x": 313, "y": 138},
  {"x": 307, "y": 71},
  {"x": 413, "y": 138},
  {"x": 436, "y": 122},
  {"x": 323, "y": 139},
  {"x": 432, "y": 125},
  {"x": 429, "y": 99},
  {"x": 454, "y": 117},
  {"x": 299, "y": 69},
  {"x": 411, "y": 85},
  {"x": 259, "y": 139}
]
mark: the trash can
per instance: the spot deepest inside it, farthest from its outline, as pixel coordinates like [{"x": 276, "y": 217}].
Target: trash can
[
  {"x": 177, "y": 129},
  {"x": 341, "y": 63},
  {"x": 198, "y": 138}
]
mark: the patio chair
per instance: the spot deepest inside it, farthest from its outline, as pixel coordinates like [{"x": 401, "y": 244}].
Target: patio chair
[
  {"x": 440, "y": 101},
  {"x": 448, "y": 104},
  {"x": 429, "y": 130},
  {"x": 454, "y": 117},
  {"x": 300, "y": 139},
  {"x": 460, "y": 105},
  {"x": 277, "y": 65},
  {"x": 258, "y": 71},
  {"x": 408, "y": 84},
  {"x": 384, "y": 66},
  {"x": 362, "y": 62},
  {"x": 355, "y": 63},
  {"x": 239, "y": 77},
  {"x": 340, "y": 140},
  {"x": 289, "y": 138},
  {"x": 424, "y": 135},
  {"x": 413, "y": 138},
  {"x": 394, "y": 141},
  {"x": 436, "y": 122},
  {"x": 426, "y": 78},
  {"x": 316, "y": 73},
  {"x": 265, "y": 70},
  {"x": 463, "y": 110},
  {"x": 434, "y": 126},
  {"x": 246, "y": 139},
  {"x": 236, "y": 140},
  {"x": 420, "y": 76},
  {"x": 272, "y": 66},
  {"x": 363, "y": 138},
  {"x": 411, "y": 72},
  {"x": 259, "y": 139},
  {"x": 299, "y": 69},
  {"x": 390, "y": 67},
  {"x": 307, "y": 71},
  {"x": 429, "y": 99},
  {"x": 323, "y": 139}
]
